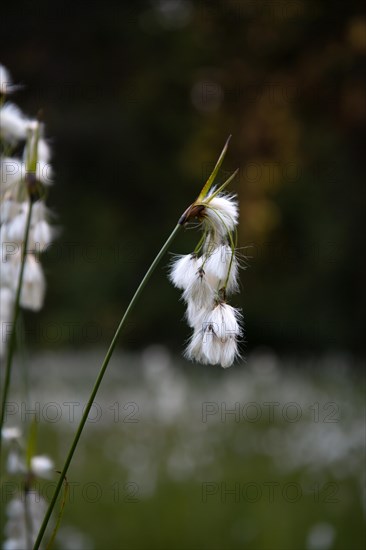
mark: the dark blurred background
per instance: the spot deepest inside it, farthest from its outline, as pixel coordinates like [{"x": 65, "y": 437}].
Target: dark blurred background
[{"x": 138, "y": 100}]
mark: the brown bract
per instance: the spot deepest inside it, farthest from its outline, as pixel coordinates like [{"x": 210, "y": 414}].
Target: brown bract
[{"x": 193, "y": 211}]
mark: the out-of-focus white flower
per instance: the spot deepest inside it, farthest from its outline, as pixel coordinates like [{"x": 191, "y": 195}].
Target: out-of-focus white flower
[
  {"x": 11, "y": 433},
  {"x": 13, "y": 124},
  {"x": 22, "y": 184},
  {"x": 15, "y": 463},
  {"x": 6, "y": 317},
  {"x": 44, "y": 173},
  {"x": 9, "y": 266},
  {"x": 11, "y": 172},
  {"x": 6, "y": 303},
  {"x": 42, "y": 466},
  {"x": 9, "y": 209},
  {"x": 6, "y": 84},
  {"x": 15, "y": 228},
  {"x": 5, "y": 80},
  {"x": 25, "y": 512},
  {"x": 42, "y": 235},
  {"x": 24, "y": 519},
  {"x": 44, "y": 151},
  {"x": 34, "y": 284}
]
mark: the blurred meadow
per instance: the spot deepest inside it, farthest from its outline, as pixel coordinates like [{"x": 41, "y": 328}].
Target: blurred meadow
[
  {"x": 138, "y": 100},
  {"x": 177, "y": 456}
]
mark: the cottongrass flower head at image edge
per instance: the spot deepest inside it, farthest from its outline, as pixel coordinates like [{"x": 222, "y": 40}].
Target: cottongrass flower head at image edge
[
  {"x": 24, "y": 179},
  {"x": 209, "y": 275},
  {"x": 26, "y": 509}
]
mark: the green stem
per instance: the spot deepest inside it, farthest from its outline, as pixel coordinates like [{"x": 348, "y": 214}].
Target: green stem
[
  {"x": 200, "y": 243},
  {"x": 97, "y": 384},
  {"x": 11, "y": 348}
]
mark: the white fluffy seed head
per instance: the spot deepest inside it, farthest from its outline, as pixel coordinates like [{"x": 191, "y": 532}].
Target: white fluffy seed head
[
  {"x": 211, "y": 346},
  {"x": 221, "y": 214},
  {"x": 42, "y": 466},
  {"x": 199, "y": 291},
  {"x": 15, "y": 463},
  {"x": 195, "y": 314},
  {"x": 8, "y": 210},
  {"x": 39, "y": 212},
  {"x": 216, "y": 325},
  {"x": 11, "y": 172},
  {"x": 11, "y": 433},
  {"x": 217, "y": 268},
  {"x": 193, "y": 351},
  {"x": 7, "y": 299},
  {"x": 14, "y": 230},
  {"x": 24, "y": 518},
  {"x": 34, "y": 285},
  {"x": 214, "y": 340},
  {"x": 13, "y": 124},
  {"x": 44, "y": 172},
  {"x": 6, "y": 305},
  {"x": 229, "y": 352},
  {"x": 42, "y": 235},
  {"x": 44, "y": 151},
  {"x": 6, "y": 83},
  {"x": 10, "y": 265},
  {"x": 223, "y": 322},
  {"x": 221, "y": 329},
  {"x": 183, "y": 271}
]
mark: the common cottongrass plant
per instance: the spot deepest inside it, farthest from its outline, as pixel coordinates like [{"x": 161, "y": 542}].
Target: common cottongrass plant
[
  {"x": 25, "y": 231},
  {"x": 26, "y": 509},
  {"x": 23, "y": 182},
  {"x": 207, "y": 276},
  {"x": 24, "y": 234}
]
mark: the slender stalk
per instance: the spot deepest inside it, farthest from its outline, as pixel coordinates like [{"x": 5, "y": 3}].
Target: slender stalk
[
  {"x": 28, "y": 518},
  {"x": 97, "y": 384},
  {"x": 11, "y": 348}
]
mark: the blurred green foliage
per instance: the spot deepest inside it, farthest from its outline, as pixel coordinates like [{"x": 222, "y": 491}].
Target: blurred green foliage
[{"x": 138, "y": 99}]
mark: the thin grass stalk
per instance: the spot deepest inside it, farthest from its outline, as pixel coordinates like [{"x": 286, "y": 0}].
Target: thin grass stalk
[{"x": 98, "y": 383}]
